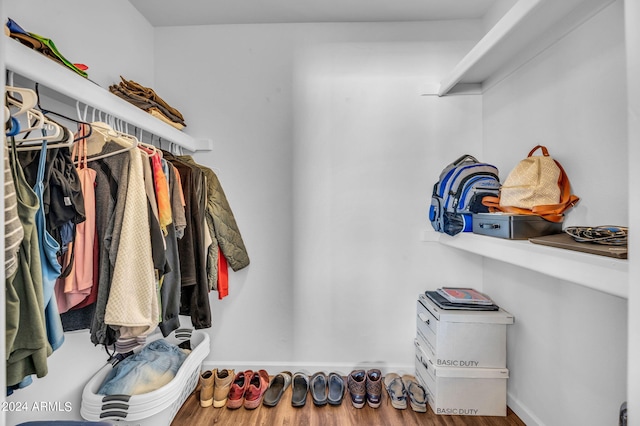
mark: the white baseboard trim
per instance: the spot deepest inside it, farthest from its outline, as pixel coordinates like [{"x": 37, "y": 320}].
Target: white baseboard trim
[
  {"x": 344, "y": 368},
  {"x": 523, "y": 411}
]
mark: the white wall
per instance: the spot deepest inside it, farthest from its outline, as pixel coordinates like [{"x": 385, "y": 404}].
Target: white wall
[
  {"x": 110, "y": 37},
  {"x": 113, "y": 39},
  {"x": 328, "y": 154},
  {"x": 632, "y": 31},
  {"x": 567, "y": 351}
]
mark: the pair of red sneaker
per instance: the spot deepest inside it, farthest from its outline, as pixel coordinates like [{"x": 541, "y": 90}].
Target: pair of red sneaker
[{"x": 247, "y": 389}]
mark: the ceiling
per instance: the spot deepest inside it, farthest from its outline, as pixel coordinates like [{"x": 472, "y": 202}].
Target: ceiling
[{"x": 209, "y": 12}]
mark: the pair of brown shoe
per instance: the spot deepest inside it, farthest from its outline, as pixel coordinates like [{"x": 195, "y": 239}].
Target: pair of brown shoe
[
  {"x": 365, "y": 386},
  {"x": 214, "y": 387}
]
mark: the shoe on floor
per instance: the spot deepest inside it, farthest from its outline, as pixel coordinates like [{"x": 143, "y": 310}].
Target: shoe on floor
[
  {"x": 299, "y": 389},
  {"x": 416, "y": 393},
  {"x": 223, "y": 380},
  {"x": 238, "y": 389},
  {"x": 335, "y": 385},
  {"x": 258, "y": 384},
  {"x": 206, "y": 388},
  {"x": 395, "y": 388},
  {"x": 374, "y": 388},
  {"x": 356, "y": 383},
  {"x": 278, "y": 385},
  {"x": 318, "y": 387}
]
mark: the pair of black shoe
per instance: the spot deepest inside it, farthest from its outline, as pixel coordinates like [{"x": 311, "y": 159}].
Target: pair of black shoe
[{"x": 327, "y": 389}]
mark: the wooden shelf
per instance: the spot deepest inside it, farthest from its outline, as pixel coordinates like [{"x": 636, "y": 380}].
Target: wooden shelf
[
  {"x": 527, "y": 28},
  {"x": 36, "y": 67},
  {"x": 600, "y": 273}
]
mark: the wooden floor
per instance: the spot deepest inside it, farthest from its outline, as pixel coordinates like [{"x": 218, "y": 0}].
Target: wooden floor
[{"x": 191, "y": 414}]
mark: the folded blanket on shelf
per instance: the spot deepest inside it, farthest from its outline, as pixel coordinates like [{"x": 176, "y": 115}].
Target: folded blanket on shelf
[
  {"x": 148, "y": 100},
  {"x": 44, "y": 45}
]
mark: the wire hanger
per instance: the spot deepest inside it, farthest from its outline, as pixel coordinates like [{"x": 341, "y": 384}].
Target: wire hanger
[{"x": 57, "y": 114}]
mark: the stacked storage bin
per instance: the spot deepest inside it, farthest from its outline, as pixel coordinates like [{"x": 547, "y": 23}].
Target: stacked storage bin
[
  {"x": 158, "y": 407},
  {"x": 461, "y": 359}
]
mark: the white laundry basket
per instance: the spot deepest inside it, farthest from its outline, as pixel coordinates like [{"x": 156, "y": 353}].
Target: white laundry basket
[{"x": 156, "y": 408}]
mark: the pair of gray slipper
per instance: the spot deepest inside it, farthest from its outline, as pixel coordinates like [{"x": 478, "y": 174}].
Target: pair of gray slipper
[
  {"x": 324, "y": 389},
  {"x": 278, "y": 385},
  {"x": 327, "y": 389}
]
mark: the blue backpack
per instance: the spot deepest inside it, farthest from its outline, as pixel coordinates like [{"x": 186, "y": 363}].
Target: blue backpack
[{"x": 459, "y": 193}]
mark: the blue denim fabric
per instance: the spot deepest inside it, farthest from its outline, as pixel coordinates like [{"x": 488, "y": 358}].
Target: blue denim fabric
[{"x": 151, "y": 368}]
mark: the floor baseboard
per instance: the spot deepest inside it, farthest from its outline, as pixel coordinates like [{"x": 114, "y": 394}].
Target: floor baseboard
[
  {"x": 344, "y": 368},
  {"x": 523, "y": 412}
]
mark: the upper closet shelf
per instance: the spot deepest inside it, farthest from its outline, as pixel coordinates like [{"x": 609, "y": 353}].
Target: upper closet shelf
[
  {"x": 529, "y": 27},
  {"x": 600, "y": 273},
  {"x": 38, "y": 68}
]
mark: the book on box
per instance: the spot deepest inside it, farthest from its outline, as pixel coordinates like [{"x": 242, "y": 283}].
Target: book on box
[{"x": 464, "y": 295}]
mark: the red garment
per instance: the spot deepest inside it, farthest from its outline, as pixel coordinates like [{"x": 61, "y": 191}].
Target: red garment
[
  {"x": 162, "y": 191},
  {"x": 223, "y": 275}
]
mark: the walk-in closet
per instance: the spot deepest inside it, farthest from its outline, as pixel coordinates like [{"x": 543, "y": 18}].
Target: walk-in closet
[{"x": 313, "y": 134}]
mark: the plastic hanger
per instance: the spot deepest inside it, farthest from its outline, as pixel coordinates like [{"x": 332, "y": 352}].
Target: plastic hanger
[
  {"x": 15, "y": 127},
  {"x": 149, "y": 149},
  {"x": 24, "y": 105},
  {"x": 28, "y": 99},
  {"x": 52, "y": 130},
  {"x": 104, "y": 133},
  {"x": 51, "y": 143}
]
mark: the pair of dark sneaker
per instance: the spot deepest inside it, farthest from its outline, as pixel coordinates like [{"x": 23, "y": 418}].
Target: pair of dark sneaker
[
  {"x": 327, "y": 389},
  {"x": 365, "y": 386}
]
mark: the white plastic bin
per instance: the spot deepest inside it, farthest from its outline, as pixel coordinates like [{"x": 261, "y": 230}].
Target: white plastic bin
[{"x": 156, "y": 408}]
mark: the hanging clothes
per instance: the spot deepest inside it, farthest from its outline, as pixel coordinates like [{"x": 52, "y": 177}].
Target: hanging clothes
[
  {"x": 193, "y": 266},
  {"x": 162, "y": 192},
  {"x": 77, "y": 285},
  {"x": 48, "y": 249},
  {"x": 62, "y": 194},
  {"x": 26, "y": 342},
  {"x": 158, "y": 243},
  {"x": 112, "y": 175},
  {"x": 13, "y": 232},
  {"x": 132, "y": 307},
  {"x": 226, "y": 235},
  {"x": 171, "y": 284}
]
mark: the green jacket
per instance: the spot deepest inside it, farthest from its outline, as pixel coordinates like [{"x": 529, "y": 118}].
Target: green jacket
[{"x": 222, "y": 225}]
